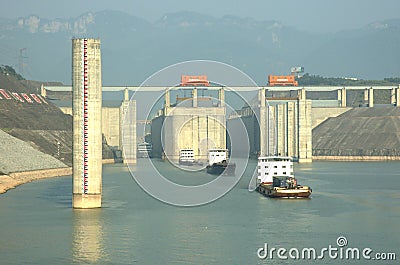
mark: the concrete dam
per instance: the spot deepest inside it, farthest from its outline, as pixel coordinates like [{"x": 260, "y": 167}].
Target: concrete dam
[
  {"x": 191, "y": 123},
  {"x": 282, "y": 125}
]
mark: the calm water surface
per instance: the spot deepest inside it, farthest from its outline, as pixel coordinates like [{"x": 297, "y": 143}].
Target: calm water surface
[{"x": 358, "y": 200}]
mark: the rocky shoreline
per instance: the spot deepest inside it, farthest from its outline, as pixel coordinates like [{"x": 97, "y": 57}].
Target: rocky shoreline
[{"x": 15, "y": 179}]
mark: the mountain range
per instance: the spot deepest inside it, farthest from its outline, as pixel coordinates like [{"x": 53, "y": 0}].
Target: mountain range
[{"x": 133, "y": 48}]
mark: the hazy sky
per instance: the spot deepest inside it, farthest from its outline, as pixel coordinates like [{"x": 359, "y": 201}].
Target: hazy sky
[{"x": 311, "y": 15}]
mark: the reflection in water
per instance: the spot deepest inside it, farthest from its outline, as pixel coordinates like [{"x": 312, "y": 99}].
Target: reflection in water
[{"x": 88, "y": 245}]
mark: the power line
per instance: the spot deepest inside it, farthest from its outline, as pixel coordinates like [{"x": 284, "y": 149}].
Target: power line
[{"x": 21, "y": 62}]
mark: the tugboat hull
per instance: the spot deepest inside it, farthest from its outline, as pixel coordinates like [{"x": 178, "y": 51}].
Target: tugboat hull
[
  {"x": 186, "y": 163},
  {"x": 276, "y": 192},
  {"x": 221, "y": 169},
  {"x": 276, "y": 178}
]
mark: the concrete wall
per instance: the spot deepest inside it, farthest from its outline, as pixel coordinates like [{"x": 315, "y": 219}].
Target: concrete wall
[
  {"x": 234, "y": 126},
  {"x": 111, "y": 120},
  {"x": 111, "y": 125},
  {"x": 156, "y": 136},
  {"x": 128, "y": 131},
  {"x": 305, "y": 131},
  {"x": 66, "y": 110},
  {"x": 287, "y": 122},
  {"x": 290, "y": 130},
  {"x": 282, "y": 128},
  {"x": 197, "y": 128}
]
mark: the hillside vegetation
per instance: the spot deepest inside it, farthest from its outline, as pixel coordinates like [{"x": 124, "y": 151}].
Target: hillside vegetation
[{"x": 316, "y": 80}]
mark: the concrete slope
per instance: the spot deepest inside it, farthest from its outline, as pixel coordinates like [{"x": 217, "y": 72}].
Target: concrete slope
[
  {"x": 359, "y": 132},
  {"x": 17, "y": 155},
  {"x": 57, "y": 143}
]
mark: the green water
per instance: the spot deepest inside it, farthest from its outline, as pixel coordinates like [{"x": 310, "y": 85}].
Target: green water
[{"x": 358, "y": 200}]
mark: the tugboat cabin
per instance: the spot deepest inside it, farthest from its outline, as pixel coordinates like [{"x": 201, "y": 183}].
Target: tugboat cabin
[{"x": 270, "y": 167}]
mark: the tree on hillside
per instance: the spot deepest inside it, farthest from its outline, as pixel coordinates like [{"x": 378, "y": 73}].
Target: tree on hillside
[
  {"x": 316, "y": 80},
  {"x": 8, "y": 70}
]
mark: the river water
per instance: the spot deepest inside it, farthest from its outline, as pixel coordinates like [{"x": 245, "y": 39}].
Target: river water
[{"x": 357, "y": 200}]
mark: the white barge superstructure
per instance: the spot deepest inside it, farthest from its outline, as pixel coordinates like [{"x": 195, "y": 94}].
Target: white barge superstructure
[{"x": 276, "y": 178}]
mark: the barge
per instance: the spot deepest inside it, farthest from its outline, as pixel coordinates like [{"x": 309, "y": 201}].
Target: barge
[{"x": 276, "y": 178}]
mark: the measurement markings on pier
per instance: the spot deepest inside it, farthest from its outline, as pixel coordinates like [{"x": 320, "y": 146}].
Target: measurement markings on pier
[{"x": 85, "y": 115}]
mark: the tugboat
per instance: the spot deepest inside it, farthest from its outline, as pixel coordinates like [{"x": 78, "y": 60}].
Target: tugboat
[
  {"x": 186, "y": 157},
  {"x": 218, "y": 164},
  {"x": 276, "y": 178},
  {"x": 144, "y": 150}
]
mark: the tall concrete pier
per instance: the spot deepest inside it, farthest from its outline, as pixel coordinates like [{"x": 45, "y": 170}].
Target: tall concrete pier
[
  {"x": 87, "y": 138},
  {"x": 128, "y": 129}
]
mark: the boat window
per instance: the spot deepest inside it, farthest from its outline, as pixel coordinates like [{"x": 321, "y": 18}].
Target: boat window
[
  {"x": 284, "y": 173},
  {"x": 283, "y": 166},
  {"x": 275, "y": 173},
  {"x": 275, "y": 166}
]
